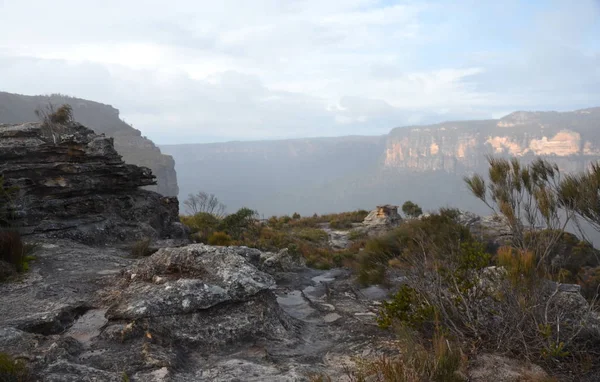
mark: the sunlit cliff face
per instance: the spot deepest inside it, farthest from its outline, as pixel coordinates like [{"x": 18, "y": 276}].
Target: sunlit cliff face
[
  {"x": 520, "y": 134},
  {"x": 412, "y": 153}
]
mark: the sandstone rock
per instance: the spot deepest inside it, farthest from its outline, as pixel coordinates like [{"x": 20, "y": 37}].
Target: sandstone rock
[
  {"x": 73, "y": 184},
  {"x": 386, "y": 215}
]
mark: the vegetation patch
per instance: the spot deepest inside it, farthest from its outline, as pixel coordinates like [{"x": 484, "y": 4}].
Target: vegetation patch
[
  {"x": 142, "y": 248},
  {"x": 12, "y": 370}
]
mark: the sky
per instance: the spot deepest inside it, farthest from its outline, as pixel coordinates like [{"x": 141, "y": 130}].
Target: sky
[{"x": 193, "y": 71}]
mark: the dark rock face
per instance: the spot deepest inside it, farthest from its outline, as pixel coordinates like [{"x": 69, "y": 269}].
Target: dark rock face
[
  {"x": 103, "y": 119},
  {"x": 73, "y": 184}
]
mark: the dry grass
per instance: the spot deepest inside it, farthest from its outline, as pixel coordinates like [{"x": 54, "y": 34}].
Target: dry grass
[{"x": 141, "y": 248}]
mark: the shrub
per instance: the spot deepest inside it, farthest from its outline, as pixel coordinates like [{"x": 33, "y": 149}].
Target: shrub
[
  {"x": 411, "y": 209},
  {"x": 12, "y": 370},
  {"x": 312, "y": 234},
  {"x": 51, "y": 116},
  {"x": 416, "y": 361},
  {"x": 240, "y": 222},
  {"x": 425, "y": 242},
  {"x": 406, "y": 309},
  {"x": 527, "y": 197},
  {"x": 141, "y": 248},
  {"x": 219, "y": 238},
  {"x": 296, "y": 216},
  {"x": 201, "y": 225},
  {"x": 340, "y": 223}
]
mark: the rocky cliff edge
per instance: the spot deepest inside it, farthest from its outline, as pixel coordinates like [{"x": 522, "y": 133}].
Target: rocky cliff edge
[{"x": 73, "y": 184}]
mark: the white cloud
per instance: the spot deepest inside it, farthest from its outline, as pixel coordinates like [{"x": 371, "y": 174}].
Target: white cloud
[{"x": 256, "y": 69}]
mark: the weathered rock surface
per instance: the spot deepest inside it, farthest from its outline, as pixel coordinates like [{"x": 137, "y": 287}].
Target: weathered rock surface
[
  {"x": 282, "y": 261},
  {"x": 174, "y": 290},
  {"x": 493, "y": 228},
  {"x": 73, "y": 184},
  {"x": 129, "y": 142},
  {"x": 187, "y": 313},
  {"x": 386, "y": 215}
]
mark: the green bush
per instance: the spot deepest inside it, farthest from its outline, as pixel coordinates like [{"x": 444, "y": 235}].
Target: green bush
[
  {"x": 219, "y": 238},
  {"x": 201, "y": 225},
  {"x": 243, "y": 222},
  {"x": 12, "y": 370},
  {"x": 405, "y": 308},
  {"x": 411, "y": 209}
]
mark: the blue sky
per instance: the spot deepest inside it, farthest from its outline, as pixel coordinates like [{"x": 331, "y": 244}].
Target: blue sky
[{"x": 201, "y": 71}]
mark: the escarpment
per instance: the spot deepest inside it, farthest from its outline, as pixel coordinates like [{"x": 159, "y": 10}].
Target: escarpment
[
  {"x": 72, "y": 183},
  {"x": 571, "y": 138}
]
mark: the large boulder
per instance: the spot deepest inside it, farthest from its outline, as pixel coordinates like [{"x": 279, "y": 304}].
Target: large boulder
[
  {"x": 73, "y": 184},
  {"x": 492, "y": 228},
  {"x": 200, "y": 294},
  {"x": 386, "y": 215}
]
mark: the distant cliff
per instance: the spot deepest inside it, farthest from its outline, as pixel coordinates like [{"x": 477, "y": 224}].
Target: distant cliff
[
  {"x": 572, "y": 139},
  {"x": 101, "y": 118},
  {"x": 422, "y": 163}
]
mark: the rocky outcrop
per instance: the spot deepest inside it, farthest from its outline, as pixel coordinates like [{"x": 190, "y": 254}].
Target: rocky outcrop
[
  {"x": 200, "y": 295},
  {"x": 282, "y": 261},
  {"x": 73, "y": 184},
  {"x": 386, "y": 215},
  {"x": 491, "y": 228},
  {"x": 129, "y": 142}
]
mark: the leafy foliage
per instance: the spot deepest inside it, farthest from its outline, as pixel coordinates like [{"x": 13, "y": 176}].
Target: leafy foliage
[
  {"x": 55, "y": 116},
  {"x": 405, "y": 308},
  {"x": 427, "y": 241},
  {"x": 219, "y": 238},
  {"x": 411, "y": 209},
  {"x": 529, "y": 198}
]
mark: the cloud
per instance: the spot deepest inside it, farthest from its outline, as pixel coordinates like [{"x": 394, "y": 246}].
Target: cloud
[{"x": 204, "y": 70}]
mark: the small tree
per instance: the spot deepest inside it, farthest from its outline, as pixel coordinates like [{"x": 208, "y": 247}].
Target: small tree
[
  {"x": 411, "y": 209},
  {"x": 528, "y": 197},
  {"x": 204, "y": 202},
  {"x": 238, "y": 223}
]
